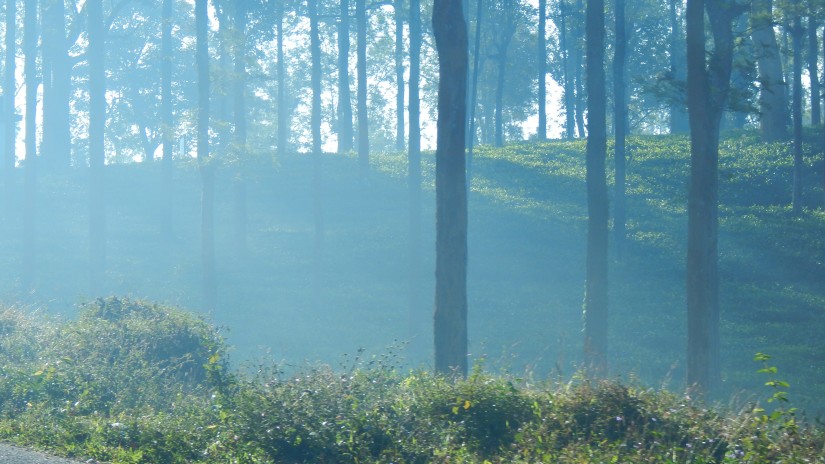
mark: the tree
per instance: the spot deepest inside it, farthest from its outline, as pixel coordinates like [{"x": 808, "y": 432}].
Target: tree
[
  {"x": 678, "y": 114},
  {"x": 813, "y": 69},
  {"x": 345, "y": 128},
  {"x": 707, "y": 93},
  {"x": 505, "y": 29},
  {"x": 620, "y": 124},
  {"x": 315, "y": 51},
  {"x": 361, "y": 69},
  {"x": 541, "y": 49},
  {"x": 167, "y": 132},
  {"x": 239, "y": 115},
  {"x": 414, "y": 171},
  {"x": 30, "y": 180},
  {"x": 595, "y": 300},
  {"x": 283, "y": 115},
  {"x": 9, "y": 113},
  {"x": 773, "y": 114},
  {"x": 56, "y": 148},
  {"x": 471, "y": 136},
  {"x": 399, "y": 75},
  {"x": 204, "y": 164},
  {"x": 450, "y": 318},
  {"x": 797, "y": 34},
  {"x": 569, "y": 89}
]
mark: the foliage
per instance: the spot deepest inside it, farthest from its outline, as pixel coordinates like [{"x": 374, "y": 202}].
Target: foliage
[{"x": 365, "y": 412}]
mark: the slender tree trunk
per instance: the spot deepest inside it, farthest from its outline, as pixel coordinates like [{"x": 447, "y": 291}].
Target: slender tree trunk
[
  {"x": 507, "y": 29},
  {"x": 708, "y": 89},
  {"x": 240, "y": 139},
  {"x": 580, "y": 96},
  {"x": 416, "y": 308},
  {"x": 501, "y": 65},
  {"x": 471, "y": 133},
  {"x": 315, "y": 51},
  {"x": 541, "y": 59},
  {"x": 595, "y": 300},
  {"x": 363, "y": 116},
  {"x": 813, "y": 70},
  {"x": 56, "y": 148},
  {"x": 345, "y": 129},
  {"x": 678, "y": 111},
  {"x": 204, "y": 162},
  {"x": 30, "y": 180},
  {"x": 167, "y": 132},
  {"x": 283, "y": 116},
  {"x": 450, "y": 318},
  {"x": 569, "y": 91},
  {"x": 9, "y": 112},
  {"x": 620, "y": 125},
  {"x": 796, "y": 37},
  {"x": 399, "y": 76},
  {"x": 773, "y": 114},
  {"x": 97, "y": 158}
]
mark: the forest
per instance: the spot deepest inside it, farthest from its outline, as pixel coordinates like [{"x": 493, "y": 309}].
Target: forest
[{"x": 413, "y": 231}]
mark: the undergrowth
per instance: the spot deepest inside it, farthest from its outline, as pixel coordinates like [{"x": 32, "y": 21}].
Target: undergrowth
[{"x": 134, "y": 382}]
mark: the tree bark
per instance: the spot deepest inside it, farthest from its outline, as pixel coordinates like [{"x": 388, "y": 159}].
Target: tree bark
[
  {"x": 595, "y": 301},
  {"x": 399, "y": 76},
  {"x": 345, "y": 129},
  {"x": 30, "y": 179},
  {"x": 9, "y": 112},
  {"x": 450, "y": 320},
  {"x": 773, "y": 113},
  {"x": 796, "y": 38},
  {"x": 167, "y": 132},
  {"x": 569, "y": 90},
  {"x": 813, "y": 70},
  {"x": 204, "y": 162},
  {"x": 363, "y": 116},
  {"x": 471, "y": 132},
  {"x": 56, "y": 144},
  {"x": 541, "y": 59},
  {"x": 620, "y": 128}
]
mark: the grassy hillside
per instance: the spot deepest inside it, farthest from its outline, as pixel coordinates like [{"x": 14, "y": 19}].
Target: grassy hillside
[{"x": 527, "y": 232}]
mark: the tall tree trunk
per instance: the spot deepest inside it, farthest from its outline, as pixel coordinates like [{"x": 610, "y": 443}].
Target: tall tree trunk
[
  {"x": 56, "y": 149},
  {"x": 707, "y": 92},
  {"x": 283, "y": 116},
  {"x": 399, "y": 75},
  {"x": 450, "y": 318},
  {"x": 240, "y": 139},
  {"x": 569, "y": 90},
  {"x": 30, "y": 180},
  {"x": 595, "y": 300},
  {"x": 204, "y": 164},
  {"x": 97, "y": 159},
  {"x": 471, "y": 133},
  {"x": 580, "y": 96},
  {"x": 345, "y": 129},
  {"x": 506, "y": 29},
  {"x": 315, "y": 51},
  {"x": 678, "y": 110},
  {"x": 9, "y": 112},
  {"x": 416, "y": 308},
  {"x": 813, "y": 70},
  {"x": 773, "y": 113},
  {"x": 620, "y": 125},
  {"x": 541, "y": 57},
  {"x": 363, "y": 116},
  {"x": 796, "y": 37},
  {"x": 167, "y": 133}
]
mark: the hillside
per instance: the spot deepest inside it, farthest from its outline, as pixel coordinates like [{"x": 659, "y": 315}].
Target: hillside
[{"x": 527, "y": 230}]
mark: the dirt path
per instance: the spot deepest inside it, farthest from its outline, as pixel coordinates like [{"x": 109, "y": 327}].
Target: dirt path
[{"x": 16, "y": 455}]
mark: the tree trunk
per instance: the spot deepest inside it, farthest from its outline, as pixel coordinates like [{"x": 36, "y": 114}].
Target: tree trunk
[
  {"x": 796, "y": 37},
  {"x": 471, "y": 133},
  {"x": 580, "y": 97},
  {"x": 708, "y": 89},
  {"x": 30, "y": 180},
  {"x": 283, "y": 116},
  {"x": 240, "y": 139},
  {"x": 204, "y": 162},
  {"x": 450, "y": 318},
  {"x": 345, "y": 128},
  {"x": 9, "y": 112},
  {"x": 773, "y": 113},
  {"x": 315, "y": 51},
  {"x": 167, "y": 132},
  {"x": 97, "y": 158},
  {"x": 56, "y": 145},
  {"x": 678, "y": 111},
  {"x": 813, "y": 70},
  {"x": 620, "y": 129},
  {"x": 416, "y": 308},
  {"x": 363, "y": 116},
  {"x": 569, "y": 90},
  {"x": 399, "y": 76},
  {"x": 595, "y": 300},
  {"x": 541, "y": 57}
]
